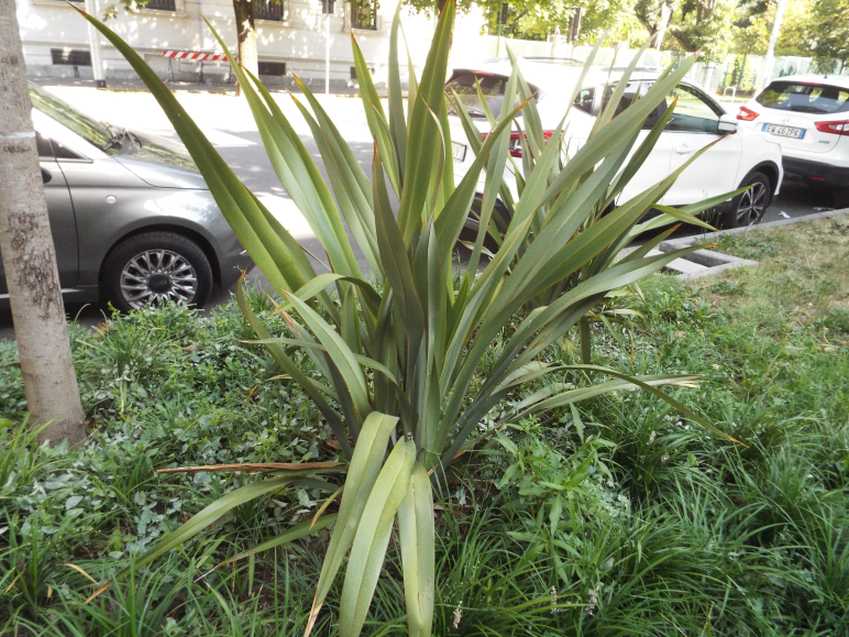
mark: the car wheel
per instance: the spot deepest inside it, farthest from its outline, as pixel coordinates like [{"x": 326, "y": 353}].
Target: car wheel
[
  {"x": 156, "y": 267},
  {"x": 840, "y": 198},
  {"x": 500, "y": 218},
  {"x": 749, "y": 207}
]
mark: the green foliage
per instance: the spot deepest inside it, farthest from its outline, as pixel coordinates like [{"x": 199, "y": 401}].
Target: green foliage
[
  {"x": 660, "y": 529},
  {"x": 829, "y": 34},
  {"x": 399, "y": 358}
]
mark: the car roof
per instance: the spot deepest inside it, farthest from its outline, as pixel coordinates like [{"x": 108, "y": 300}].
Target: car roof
[
  {"x": 841, "y": 81},
  {"x": 539, "y": 73}
]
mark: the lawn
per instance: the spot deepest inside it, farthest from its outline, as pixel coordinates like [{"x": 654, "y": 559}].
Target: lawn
[{"x": 615, "y": 518}]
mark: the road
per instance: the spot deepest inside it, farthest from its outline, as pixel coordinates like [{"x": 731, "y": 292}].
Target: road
[{"x": 227, "y": 121}]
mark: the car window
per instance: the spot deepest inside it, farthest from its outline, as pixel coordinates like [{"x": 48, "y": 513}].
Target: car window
[
  {"x": 45, "y": 148},
  {"x": 692, "y": 113},
  {"x": 805, "y": 98},
  {"x": 492, "y": 86},
  {"x": 633, "y": 91}
]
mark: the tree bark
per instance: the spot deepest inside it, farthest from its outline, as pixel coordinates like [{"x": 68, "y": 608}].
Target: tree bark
[
  {"x": 29, "y": 258},
  {"x": 246, "y": 45}
]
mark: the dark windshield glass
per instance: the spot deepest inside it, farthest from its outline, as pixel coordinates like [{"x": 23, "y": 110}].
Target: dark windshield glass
[
  {"x": 96, "y": 133},
  {"x": 492, "y": 87},
  {"x": 805, "y": 98}
]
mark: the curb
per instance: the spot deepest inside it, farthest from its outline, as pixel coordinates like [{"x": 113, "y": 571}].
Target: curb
[
  {"x": 704, "y": 263},
  {"x": 683, "y": 242}
]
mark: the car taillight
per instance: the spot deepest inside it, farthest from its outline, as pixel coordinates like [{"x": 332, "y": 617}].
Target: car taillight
[
  {"x": 516, "y": 142},
  {"x": 835, "y": 128},
  {"x": 747, "y": 114}
]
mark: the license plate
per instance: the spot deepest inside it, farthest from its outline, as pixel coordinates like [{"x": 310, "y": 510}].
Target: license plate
[
  {"x": 459, "y": 151},
  {"x": 784, "y": 131}
]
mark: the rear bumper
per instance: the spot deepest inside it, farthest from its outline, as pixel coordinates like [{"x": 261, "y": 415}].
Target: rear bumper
[{"x": 816, "y": 172}]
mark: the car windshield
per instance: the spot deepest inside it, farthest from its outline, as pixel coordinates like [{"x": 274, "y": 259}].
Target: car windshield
[
  {"x": 96, "y": 133},
  {"x": 805, "y": 98},
  {"x": 111, "y": 139}
]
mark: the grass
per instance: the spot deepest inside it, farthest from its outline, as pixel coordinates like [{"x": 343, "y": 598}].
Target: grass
[{"x": 614, "y": 519}]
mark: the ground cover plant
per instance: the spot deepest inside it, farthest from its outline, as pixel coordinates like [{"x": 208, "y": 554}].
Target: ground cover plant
[
  {"x": 614, "y": 518},
  {"x": 411, "y": 355}
]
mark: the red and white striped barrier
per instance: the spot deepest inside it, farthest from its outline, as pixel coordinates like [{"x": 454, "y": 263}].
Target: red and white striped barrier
[{"x": 195, "y": 56}]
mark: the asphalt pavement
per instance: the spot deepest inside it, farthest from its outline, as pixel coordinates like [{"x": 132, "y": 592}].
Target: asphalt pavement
[{"x": 226, "y": 120}]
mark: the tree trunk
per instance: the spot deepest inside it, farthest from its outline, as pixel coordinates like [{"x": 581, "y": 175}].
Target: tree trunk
[
  {"x": 246, "y": 48},
  {"x": 29, "y": 258}
]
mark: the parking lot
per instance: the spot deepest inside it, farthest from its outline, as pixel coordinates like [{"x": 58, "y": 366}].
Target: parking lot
[{"x": 227, "y": 121}]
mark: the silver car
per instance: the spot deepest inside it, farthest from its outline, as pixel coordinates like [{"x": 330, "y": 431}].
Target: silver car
[{"x": 132, "y": 220}]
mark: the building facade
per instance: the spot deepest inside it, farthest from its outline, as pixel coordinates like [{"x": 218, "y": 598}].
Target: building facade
[{"x": 291, "y": 38}]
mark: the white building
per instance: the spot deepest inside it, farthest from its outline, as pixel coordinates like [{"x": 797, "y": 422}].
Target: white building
[{"x": 291, "y": 37}]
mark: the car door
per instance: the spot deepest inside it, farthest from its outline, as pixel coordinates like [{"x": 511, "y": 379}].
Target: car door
[
  {"x": 61, "y": 213},
  {"x": 694, "y": 125},
  {"x": 656, "y": 165}
]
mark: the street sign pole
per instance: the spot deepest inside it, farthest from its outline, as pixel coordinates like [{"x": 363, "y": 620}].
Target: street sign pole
[{"x": 94, "y": 46}]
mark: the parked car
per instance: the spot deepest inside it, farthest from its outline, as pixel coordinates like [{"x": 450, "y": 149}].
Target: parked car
[
  {"x": 132, "y": 220},
  {"x": 741, "y": 159},
  {"x": 809, "y": 116}
]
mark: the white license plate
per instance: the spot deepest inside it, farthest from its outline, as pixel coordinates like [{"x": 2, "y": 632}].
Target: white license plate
[
  {"x": 459, "y": 151},
  {"x": 784, "y": 131}
]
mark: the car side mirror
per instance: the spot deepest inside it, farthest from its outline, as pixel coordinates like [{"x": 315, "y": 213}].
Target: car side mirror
[{"x": 726, "y": 125}]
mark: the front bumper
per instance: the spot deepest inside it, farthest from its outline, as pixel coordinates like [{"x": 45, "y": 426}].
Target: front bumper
[{"x": 816, "y": 172}]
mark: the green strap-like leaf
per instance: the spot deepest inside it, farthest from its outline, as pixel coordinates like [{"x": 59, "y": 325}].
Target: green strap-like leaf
[
  {"x": 397, "y": 121},
  {"x": 365, "y": 466},
  {"x": 214, "y": 512},
  {"x": 416, "y": 536},
  {"x": 297, "y": 532},
  {"x": 339, "y": 353},
  {"x": 556, "y": 396},
  {"x": 368, "y": 549},
  {"x": 376, "y": 118},
  {"x": 288, "y": 366}
]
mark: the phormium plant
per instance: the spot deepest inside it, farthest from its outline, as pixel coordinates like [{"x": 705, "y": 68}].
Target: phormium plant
[{"x": 399, "y": 348}]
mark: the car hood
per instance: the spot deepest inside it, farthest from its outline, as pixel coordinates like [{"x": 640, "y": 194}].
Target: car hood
[{"x": 161, "y": 163}]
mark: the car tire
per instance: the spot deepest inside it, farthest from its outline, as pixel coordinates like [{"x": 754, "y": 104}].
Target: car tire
[
  {"x": 750, "y": 207},
  {"x": 840, "y": 198},
  {"x": 500, "y": 217},
  {"x": 155, "y": 267}
]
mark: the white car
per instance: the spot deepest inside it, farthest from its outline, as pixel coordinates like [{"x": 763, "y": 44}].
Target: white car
[
  {"x": 809, "y": 116},
  {"x": 743, "y": 158}
]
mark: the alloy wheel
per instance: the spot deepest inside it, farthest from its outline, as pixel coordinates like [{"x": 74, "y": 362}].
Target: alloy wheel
[
  {"x": 156, "y": 276},
  {"x": 752, "y": 204}
]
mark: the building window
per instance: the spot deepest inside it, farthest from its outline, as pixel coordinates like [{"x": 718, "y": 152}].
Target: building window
[
  {"x": 272, "y": 68},
  {"x": 161, "y": 5},
  {"x": 270, "y": 10},
  {"x": 72, "y": 57},
  {"x": 364, "y": 14}
]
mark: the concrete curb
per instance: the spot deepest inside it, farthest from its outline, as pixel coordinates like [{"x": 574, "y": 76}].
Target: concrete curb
[
  {"x": 683, "y": 242},
  {"x": 705, "y": 263}
]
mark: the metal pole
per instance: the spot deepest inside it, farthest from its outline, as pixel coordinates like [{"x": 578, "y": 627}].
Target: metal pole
[
  {"x": 327, "y": 17},
  {"x": 769, "y": 60},
  {"x": 94, "y": 46}
]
